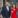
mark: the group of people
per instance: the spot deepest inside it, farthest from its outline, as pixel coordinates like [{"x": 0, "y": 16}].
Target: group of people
[{"x": 6, "y": 10}]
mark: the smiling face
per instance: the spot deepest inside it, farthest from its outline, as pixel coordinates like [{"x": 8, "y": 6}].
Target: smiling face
[
  {"x": 13, "y": 5},
  {"x": 6, "y": 3}
]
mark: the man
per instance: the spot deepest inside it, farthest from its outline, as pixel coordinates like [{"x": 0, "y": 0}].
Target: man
[
  {"x": 5, "y": 11},
  {"x": 7, "y": 6}
]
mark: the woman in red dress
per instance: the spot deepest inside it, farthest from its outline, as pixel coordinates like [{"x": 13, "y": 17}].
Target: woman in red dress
[{"x": 13, "y": 12}]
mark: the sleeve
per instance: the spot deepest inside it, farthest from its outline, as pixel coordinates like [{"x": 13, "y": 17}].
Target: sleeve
[{"x": 2, "y": 12}]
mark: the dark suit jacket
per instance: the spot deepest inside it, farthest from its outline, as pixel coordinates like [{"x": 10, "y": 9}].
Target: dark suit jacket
[{"x": 5, "y": 12}]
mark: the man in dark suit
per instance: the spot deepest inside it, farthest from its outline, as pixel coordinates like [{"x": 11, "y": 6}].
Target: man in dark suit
[{"x": 5, "y": 11}]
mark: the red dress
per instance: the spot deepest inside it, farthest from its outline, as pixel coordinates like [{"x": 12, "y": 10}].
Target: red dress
[{"x": 13, "y": 13}]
